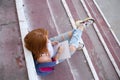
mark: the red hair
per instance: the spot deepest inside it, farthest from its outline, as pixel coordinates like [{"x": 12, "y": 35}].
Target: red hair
[{"x": 36, "y": 42}]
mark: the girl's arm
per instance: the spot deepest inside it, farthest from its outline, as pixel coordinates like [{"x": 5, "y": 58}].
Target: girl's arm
[{"x": 59, "y": 52}]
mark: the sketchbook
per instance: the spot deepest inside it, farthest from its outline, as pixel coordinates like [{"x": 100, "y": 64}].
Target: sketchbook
[{"x": 66, "y": 51}]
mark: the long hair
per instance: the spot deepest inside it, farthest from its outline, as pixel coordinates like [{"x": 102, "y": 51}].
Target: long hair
[{"x": 36, "y": 41}]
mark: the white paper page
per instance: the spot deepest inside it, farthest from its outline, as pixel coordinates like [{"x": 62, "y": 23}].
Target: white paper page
[{"x": 66, "y": 51}]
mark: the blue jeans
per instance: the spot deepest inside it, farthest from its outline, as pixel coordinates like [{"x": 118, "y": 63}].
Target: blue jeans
[{"x": 73, "y": 40}]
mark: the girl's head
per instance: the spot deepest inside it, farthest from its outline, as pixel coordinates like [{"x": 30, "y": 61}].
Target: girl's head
[{"x": 36, "y": 41}]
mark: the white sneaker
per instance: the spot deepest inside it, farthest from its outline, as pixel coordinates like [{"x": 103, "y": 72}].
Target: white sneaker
[
  {"x": 81, "y": 45},
  {"x": 86, "y": 22}
]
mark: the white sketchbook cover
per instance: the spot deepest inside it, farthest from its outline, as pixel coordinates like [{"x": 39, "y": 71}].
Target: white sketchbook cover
[{"x": 66, "y": 51}]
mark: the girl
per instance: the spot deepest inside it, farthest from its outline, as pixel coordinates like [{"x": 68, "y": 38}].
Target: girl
[{"x": 42, "y": 48}]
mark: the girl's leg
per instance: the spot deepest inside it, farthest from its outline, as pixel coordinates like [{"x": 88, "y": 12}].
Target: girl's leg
[
  {"x": 62, "y": 37},
  {"x": 75, "y": 40},
  {"x": 77, "y": 33},
  {"x": 81, "y": 25}
]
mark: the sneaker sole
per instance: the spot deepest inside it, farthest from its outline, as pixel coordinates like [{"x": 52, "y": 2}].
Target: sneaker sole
[{"x": 79, "y": 22}]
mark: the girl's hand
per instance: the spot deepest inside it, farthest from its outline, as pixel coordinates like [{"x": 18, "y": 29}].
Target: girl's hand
[
  {"x": 60, "y": 50},
  {"x": 55, "y": 43}
]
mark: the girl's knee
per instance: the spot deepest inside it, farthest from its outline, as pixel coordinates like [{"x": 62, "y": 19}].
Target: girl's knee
[{"x": 72, "y": 48}]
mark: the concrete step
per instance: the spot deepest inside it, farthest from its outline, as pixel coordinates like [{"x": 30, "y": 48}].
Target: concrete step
[
  {"x": 100, "y": 58},
  {"x": 109, "y": 41},
  {"x": 95, "y": 48}
]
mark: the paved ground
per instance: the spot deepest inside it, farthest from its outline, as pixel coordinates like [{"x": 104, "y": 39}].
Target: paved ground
[{"x": 12, "y": 64}]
